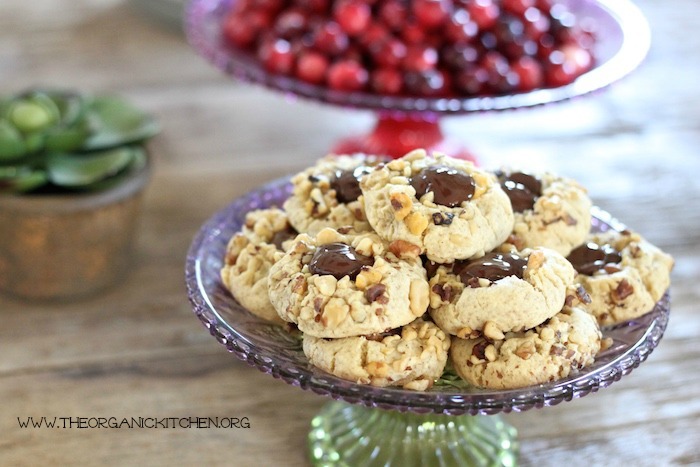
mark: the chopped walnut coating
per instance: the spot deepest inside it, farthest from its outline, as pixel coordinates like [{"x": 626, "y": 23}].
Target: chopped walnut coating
[
  {"x": 401, "y": 204},
  {"x": 375, "y": 293},
  {"x": 623, "y": 290},
  {"x": 402, "y": 248}
]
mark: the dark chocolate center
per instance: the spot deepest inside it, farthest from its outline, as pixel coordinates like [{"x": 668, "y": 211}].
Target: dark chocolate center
[
  {"x": 522, "y": 189},
  {"x": 282, "y": 236},
  {"x": 450, "y": 186},
  {"x": 591, "y": 257},
  {"x": 347, "y": 183},
  {"x": 338, "y": 260},
  {"x": 431, "y": 267},
  {"x": 492, "y": 266}
]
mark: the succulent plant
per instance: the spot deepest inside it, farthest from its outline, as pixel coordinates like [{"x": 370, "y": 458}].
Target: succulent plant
[{"x": 57, "y": 141}]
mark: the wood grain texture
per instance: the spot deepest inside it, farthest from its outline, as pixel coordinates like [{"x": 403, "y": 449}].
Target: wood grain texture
[{"x": 138, "y": 350}]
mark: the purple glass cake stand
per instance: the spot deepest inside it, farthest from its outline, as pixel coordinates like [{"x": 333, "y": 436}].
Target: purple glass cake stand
[
  {"x": 405, "y": 123},
  {"x": 387, "y": 426}
]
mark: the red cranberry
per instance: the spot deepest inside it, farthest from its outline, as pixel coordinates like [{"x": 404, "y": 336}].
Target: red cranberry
[
  {"x": 413, "y": 33},
  {"x": 389, "y": 53},
  {"x": 517, "y": 7},
  {"x": 505, "y": 83},
  {"x": 387, "y": 81},
  {"x": 290, "y": 24},
  {"x": 354, "y": 52},
  {"x": 241, "y": 6},
  {"x": 536, "y": 24},
  {"x": 420, "y": 58},
  {"x": 312, "y": 67},
  {"x": 460, "y": 27},
  {"x": 242, "y": 29},
  {"x": 375, "y": 34},
  {"x": 314, "y": 6},
  {"x": 270, "y": 6},
  {"x": 485, "y": 46},
  {"x": 472, "y": 80},
  {"x": 277, "y": 57},
  {"x": 484, "y": 13},
  {"x": 575, "y": 36},
  {"x": 562, "y": 23},
  {"x": 488, "y": 41},
  {"x": 499, "y": 73},
  {"x": 330, "y": 38},
  {"x": 529, "y": 72},
  {"x": 426, "y": 83},
  {"x": 507, "y": 27},
  {"x": 545, "y": 46},
  {"x": 393, "y": 13},
  {"x": 238, "y": 32},
  {"x": 511, "y": 38},
  {"x": 353, "y": 16},
  {"x": 459, "y": 56},
  {"x": 347, "y": 75},
  {"x": 431, "y": 14},
  {"x": 567, "y": 64},
  {"x": 494, "y": 62},
  {"x": 544, "y": 5}
]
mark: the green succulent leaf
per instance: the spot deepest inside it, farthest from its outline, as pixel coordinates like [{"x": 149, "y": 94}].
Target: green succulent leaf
[
  {"x": 69, "y": 139},
  {"x": 72, "y": 107},
  {"x": 119, "y": 123},
  {"x": 12, "y": 145},
  {"x": 33, "y": 112},
  {"x": 20, "y": 179},
  {"x": 138, "y": 162},
  {"x": 83, "y": 170}
]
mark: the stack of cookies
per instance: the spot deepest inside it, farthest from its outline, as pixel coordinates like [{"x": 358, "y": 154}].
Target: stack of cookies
[{"x": 389, "y": 268}]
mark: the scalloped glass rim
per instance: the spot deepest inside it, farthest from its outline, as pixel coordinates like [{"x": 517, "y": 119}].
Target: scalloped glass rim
[
  {"x": 272, "y": 351},
  {"x": 624, "y": 41}
]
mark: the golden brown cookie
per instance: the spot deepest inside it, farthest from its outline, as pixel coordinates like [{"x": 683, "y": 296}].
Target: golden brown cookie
[
  {"x": 499, "y": 292},
  {"x": 624, "y": 274},
  {"x": 340, "y": 285},
  {"x": 566, "y": 343},
  {"x": 250, "y": 254},
  {"x": 412, "y": 357},
  {"x": 446, "y": 207},
  {"x": 550, "y": 211},
  {"x": 328, "y": 194}
]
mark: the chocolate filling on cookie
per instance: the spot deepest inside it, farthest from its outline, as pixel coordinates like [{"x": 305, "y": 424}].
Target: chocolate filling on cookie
[
  {"x": 591, "y": 257},
  {"x": 338, "y": 260},
  {"x": 282, "y": 236},
  {"x": 431, "y": 267},
  {"x": 346, "y": 183},
  {"x": 522, "y": 189},
  {"x": 492, "y": 266},
  {"x": 449, "y": 186}
]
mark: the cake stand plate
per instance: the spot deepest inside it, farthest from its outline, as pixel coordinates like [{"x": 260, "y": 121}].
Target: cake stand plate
[{"x": 451, "y": 424}]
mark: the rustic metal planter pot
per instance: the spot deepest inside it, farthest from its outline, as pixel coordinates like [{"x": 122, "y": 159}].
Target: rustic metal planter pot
[{"x": 59, "y": 247}]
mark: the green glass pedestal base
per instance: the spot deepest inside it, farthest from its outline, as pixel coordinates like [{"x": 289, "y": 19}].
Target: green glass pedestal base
[{"x": 351, "y": 435}]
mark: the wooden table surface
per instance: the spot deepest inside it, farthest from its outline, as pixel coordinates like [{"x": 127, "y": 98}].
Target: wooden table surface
[{"x": 139, "y": 351}]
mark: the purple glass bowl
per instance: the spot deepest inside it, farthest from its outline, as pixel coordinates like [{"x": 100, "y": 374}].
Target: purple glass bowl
[
  {"x": 623, "y": 42},
  {"x": 273, "y": 350}
]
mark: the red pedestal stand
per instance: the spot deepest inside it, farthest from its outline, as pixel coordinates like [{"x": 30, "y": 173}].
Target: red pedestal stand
[{"x": 396, "y": 134}]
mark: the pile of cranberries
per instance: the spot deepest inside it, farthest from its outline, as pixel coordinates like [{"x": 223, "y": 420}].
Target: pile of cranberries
[{"x": 430, "y": 48}]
